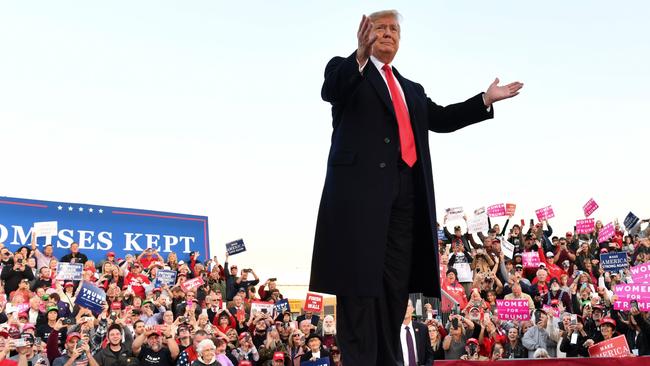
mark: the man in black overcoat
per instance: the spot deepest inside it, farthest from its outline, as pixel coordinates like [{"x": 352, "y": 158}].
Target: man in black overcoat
[{"x": 375, "y": 236}]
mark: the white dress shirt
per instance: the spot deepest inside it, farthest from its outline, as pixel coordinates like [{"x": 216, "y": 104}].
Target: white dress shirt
[
  {"x": 378, "y": 64},
  {"x": 405, "y": 349}
]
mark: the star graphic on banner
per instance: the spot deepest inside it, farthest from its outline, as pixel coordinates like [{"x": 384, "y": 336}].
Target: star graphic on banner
[
  {"x": 60, "y": 207},
  {"x": 90, "y": 210},
  {"x": 69, "y": 208},
  {"x": 101, "y": 210},
  {"x": 81, "y": 209}
]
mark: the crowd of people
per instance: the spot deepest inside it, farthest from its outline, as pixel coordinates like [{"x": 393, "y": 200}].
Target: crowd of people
[
  {"x": 569, "y": 294},
  {"x": 42, "y": 324},
  {"x": 569, "y": 297}
]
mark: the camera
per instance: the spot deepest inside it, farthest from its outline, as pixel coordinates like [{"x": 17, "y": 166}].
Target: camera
[
  {"x": 113, "y": 315},
  {"x": 19, "y": 261},
  {"x": 454, "y": 323},
  {"x": 67, "y": 321},
  {"x": 184, "y": 319},
  {"x": 473, "y": 349}
]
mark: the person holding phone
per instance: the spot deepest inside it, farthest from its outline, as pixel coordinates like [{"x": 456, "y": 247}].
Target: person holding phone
[
  {"x": 77, "y": 352},
  {"x": 12, "y": 275}
]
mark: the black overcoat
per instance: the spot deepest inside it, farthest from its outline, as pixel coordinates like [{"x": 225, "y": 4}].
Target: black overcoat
[{"x": 362, "y": 179}]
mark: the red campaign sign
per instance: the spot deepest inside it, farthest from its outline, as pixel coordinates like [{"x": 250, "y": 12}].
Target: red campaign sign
[
  {"x": 497, "y": 210},
  {"x": 589, "y": 207},
  {"x": 606, "y": 232},
  {"x": 192, "y": 284},
  {"x": 313, "y": 303},
  {"x": 545, "y": 213},
  {"x": 510, "y": 209},
  {"x": 615, "y": 347}
]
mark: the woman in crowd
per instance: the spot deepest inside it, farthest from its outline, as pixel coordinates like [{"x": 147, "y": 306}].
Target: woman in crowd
[
  {"x": 436, "y": 342},
  {"x": 297, "y": 346}
]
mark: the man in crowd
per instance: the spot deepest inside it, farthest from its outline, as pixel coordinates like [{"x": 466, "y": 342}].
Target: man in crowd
[
  {"x": 114, "y": 353},
  {"x": 153, "y": 353},
  {"x": 74, "y": 256},
  {"x": 13, "y": 274}
]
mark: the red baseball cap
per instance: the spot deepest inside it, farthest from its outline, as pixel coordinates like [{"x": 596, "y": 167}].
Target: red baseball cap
[
  {"x": 568, "y": 233},
  {"x": 72, "y": 335},
  {"x": 245, "y": 363},
  {"x": 278, "y": 356},
  {"x": 472, "y": 340},
  {"x": 110, "y": 254},
  {"x": 608, "y": 320}
]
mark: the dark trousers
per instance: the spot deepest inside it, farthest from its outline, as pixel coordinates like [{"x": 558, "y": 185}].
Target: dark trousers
[{"x": 368, "y": 327}]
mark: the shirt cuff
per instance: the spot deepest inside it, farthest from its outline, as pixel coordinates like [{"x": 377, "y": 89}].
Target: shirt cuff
[
  {"x": 361, "y": 67},
  {"x": 482, "y": 96}
]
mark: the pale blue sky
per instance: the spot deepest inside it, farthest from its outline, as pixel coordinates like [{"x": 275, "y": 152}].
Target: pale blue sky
[{"x": 213, "y": 108}]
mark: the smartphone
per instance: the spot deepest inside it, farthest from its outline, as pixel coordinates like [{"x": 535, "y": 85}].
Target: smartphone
[
  {"x": 522, "y": 222},
  {"x": 20, "y": 342},
  {"x": 634, "y": 304},
  {"x": 574, "y": 319}
]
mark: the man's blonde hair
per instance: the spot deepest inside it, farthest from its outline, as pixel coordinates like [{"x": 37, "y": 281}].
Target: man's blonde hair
[{"x": 385, "y": 13}]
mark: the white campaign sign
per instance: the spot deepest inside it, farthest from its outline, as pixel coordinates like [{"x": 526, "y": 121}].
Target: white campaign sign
[
  {"x": 477, "y": 224},
  {"x": 465, "y": 273},
  {"x": 454, "y": 213},
  {"x": 507, "y": 248},
  {"x": 46, "y": 228}
]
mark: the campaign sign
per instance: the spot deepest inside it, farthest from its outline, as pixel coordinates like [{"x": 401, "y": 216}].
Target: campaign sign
[
  {"x": 641, "y": 273},
  {"x": 282, "y": 305},
  {"x": 507, "y": 248},
  {"x": 320, "y": 362},
  {"x": 313, "y": 303},
  {"x": 497, "y": 210},
  {"x": 606, "y": 232},
  {"x": 91, "y": 297},
  {"x": 192, "y": 284},
  {"x": 235, "y": 247},
  {"x": 625, "y": 304},
  {"x": 631, "y": 220},
  {"x": 530, "y": 259},
  {"x": 102, "y": 229},
  {"x": 613, "y": 262},
  {"x": 455, "y": 213},
  {"x": 478, "y": 224},
  {"x": 465, "y": 273},
  {"x": 441, "y": 235},
  {"x": 545, "y": 213},
  {"x": 615, "y": 347},
  {"x": 585, "y": 226},
  {"x": 69, "y": 271},
  {"x": 555, "y": 311},
  {"x": 165, "y": 277},
  {"x": 513, "y": 309},
  {"x": 46, "y": 228},
  {"x": 510, "y": 209},
  {"x": 631, "y": 291},
  {"x": 262, "y": 307},
  {"x": 589, "y": 207},
  {"x": 479, "y": 211}
]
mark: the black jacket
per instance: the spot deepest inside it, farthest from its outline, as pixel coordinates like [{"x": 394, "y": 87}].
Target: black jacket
[
  {"x": 323, "y": 354},
  {"x": 78, "y": 258},
  {"x": 518, "y": 351},
  {"x": 363, "y": 172},
  {"x": 12, "y": 278},
  {"x": 106, "y": 357},
  {"x": 422, "y": 344}
]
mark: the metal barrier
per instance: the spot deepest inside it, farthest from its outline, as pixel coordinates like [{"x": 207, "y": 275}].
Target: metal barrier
[{"x": 419, "y": 300}]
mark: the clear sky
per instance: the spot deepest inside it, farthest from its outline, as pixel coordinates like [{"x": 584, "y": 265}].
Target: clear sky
[{"x": 213, "y": 108}]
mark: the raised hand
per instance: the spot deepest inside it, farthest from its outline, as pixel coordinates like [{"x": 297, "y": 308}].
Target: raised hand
[
  {"x": 496, "y": 93},
  {"x": 365, "y": 38}
]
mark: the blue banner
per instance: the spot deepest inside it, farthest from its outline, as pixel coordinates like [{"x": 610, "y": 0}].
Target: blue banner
[
  {"x": 69, "y": 271},
  {"x": 102, "y": 229},
  {"x": 165, "y": 277},
  {"x": 235, "y": 247},
  {"x": 282, "y": 305},
  {"x": 320, "y": 362},
  {"x": 613, "y": 262},
  {"x": 91, "y": 297}
]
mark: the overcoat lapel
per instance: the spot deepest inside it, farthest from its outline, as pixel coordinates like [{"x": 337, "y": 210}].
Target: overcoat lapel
[{"x": 375, "y": 79}]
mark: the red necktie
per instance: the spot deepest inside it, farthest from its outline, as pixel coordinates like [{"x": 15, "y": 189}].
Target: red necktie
[{"x": 407, "y": 143}]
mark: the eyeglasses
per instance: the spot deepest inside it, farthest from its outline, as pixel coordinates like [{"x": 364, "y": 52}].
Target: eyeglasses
[{"x": 296, "y": 335}]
